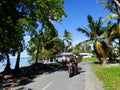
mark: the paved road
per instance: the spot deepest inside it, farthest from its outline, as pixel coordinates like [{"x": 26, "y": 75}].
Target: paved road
[{"x": 59, "y": 80}]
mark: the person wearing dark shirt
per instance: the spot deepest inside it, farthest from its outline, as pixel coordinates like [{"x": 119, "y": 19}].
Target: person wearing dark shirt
[{"x": 75, "y": 61}]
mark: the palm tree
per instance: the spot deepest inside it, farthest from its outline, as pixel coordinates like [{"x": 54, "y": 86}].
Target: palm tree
[
  {"x": 77, "y": 49},
  {"x": 94, "y": 32},
  {"x": 67, "y": 40},
  {"x": 114, "y": 7},
  {"x": 49, "y": 45}
]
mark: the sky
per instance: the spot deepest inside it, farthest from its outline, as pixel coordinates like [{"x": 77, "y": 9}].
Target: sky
[{"x": 77, "y": 12}]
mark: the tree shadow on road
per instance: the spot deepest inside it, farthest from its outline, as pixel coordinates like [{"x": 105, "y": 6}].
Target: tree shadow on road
[{"x": 24, "y": 76}]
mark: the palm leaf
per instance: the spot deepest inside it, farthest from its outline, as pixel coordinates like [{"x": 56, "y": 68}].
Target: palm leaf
[
  {"x": 89, "y": 41},
  {"x": 106, "y": 31},
  {"x": 109, "y": 6},
  {"x": 89, "y": 18},
  {"x": 112, "y": 16},
  {"x": 84, "y": 31}
]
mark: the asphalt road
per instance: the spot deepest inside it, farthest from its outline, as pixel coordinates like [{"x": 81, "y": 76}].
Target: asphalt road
[{"x": 59, "y": 80}]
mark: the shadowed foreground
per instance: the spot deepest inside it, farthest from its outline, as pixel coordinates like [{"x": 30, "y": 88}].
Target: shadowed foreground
[{"x": 24, "y": 76}]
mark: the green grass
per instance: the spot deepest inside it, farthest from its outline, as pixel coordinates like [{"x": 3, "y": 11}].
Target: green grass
[
  {"x": 89, "y": 59},
  {"x": 110, "y": 76}
]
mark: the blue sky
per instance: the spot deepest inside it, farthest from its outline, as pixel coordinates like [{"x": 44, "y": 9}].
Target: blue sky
[{"x": 77, "y": 12}]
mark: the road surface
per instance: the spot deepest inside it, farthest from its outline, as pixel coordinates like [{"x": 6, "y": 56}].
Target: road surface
[{"x": 59, "y": 80}]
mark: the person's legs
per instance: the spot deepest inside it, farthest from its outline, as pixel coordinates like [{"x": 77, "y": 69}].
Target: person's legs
[{"x": 75, "y": 69}]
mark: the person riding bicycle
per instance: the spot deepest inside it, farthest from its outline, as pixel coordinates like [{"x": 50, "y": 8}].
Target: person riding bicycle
[{"x": 74, "y": 60}]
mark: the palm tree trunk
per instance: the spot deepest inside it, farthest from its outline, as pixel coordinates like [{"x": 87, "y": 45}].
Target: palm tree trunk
[
  {"x": 7, "y": 68},
  {"x": 100, "y": 52}
]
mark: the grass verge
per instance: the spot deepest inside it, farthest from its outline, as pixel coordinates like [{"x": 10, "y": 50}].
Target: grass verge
[
  {"x": 89, "y": 59},
  {"x": 110, "y": 76}
]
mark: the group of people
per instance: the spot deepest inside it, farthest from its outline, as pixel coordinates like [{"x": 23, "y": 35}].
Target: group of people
[{"x": 73, "y": 59}]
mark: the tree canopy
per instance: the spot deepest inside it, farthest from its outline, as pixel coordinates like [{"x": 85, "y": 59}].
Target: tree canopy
[{"x": 20, "y": 16}]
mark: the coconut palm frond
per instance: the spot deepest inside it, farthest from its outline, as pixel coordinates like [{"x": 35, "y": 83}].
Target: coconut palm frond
[
  {"x": 67, "y": 34},
  {"x": 103, "y": 36},
  {"x": 52, "y": 42},
  {"x": 89, "y": 18},
  {"x": 107, "y": 29},
  {"x": 84, "y": 31},
  {"x": 85, "y": 42},
  {"x": 91, "y": 22},
  {"x": 99, "y": 23},
  {"x": 112, "y": 16},
  {"x": 109, "y": 6}
]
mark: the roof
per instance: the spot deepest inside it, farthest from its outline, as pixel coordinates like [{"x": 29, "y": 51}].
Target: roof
[{"x": 64, "y": 53}]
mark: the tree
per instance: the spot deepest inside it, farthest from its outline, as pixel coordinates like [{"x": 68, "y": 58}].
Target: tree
[
  {"x": 94, "y": 32},
  {"x": 11, "y": 33},
  {"x": 47, "y": 11},
  {"x": 22, "y": 16},
  {"x": 114, "y": 7},
  {"x": 49, "y": 45},
  {"x": 67, "y": 39},
  {"x": 77, "y": 49}
]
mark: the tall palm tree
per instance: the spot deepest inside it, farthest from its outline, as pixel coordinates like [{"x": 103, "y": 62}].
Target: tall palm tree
[
  {"x": 114, "y": 7},
  {"x": 67, "y": 39},
  {"x": 94, "y": 32}
]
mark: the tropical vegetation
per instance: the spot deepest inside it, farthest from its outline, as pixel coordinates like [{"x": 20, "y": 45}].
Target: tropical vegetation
[
  {"x": 94, "y": 32},
  {"x": 67, "y": 39},
  {"x": 103, "y": 37},
  {"x": 25, "y": 17}
]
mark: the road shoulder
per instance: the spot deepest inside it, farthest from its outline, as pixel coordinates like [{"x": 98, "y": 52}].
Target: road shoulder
[{"x": 92, "y": 82}]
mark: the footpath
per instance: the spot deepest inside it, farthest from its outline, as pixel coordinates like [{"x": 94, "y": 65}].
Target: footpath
[{"x": 92, "y": 82}]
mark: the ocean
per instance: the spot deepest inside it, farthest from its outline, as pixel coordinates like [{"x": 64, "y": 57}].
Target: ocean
[{"x": 23, "y": 62}]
